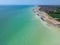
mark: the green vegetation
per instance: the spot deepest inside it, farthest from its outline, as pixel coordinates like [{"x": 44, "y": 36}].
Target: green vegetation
[
  {"x": 57, "y": 11},
  {"x": 56, "y": 14}
]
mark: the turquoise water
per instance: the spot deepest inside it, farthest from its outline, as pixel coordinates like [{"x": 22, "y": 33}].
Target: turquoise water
[{"x": 20, "y": 26}]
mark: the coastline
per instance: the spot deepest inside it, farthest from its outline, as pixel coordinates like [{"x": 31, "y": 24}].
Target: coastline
[{"x": 50, "y": 21}]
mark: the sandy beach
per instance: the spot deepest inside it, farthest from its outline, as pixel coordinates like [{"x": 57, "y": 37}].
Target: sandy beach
[{"x": 45, "y": 17}]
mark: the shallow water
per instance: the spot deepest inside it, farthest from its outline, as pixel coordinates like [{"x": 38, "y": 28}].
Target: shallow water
[{"x": 20, "y": 26}]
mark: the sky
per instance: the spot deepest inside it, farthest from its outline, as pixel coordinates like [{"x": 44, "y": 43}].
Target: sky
[{"x": 29, "y": 2}]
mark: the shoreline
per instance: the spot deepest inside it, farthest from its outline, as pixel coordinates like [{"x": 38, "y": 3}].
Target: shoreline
[{"x": 45, "y": 17}]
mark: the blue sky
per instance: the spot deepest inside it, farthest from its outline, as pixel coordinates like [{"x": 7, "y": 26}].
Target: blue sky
[{"x": 29, "y": 2}]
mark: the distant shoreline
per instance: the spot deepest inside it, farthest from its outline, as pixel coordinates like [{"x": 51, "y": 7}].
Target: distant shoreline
[{"x": 45, "y": 17}]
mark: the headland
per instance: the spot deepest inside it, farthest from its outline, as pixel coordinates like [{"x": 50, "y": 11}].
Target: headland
[{"x": 49, "y": 14}]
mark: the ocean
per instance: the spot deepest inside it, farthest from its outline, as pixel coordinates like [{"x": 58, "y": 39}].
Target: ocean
[{"x": 20, "y": 26}]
